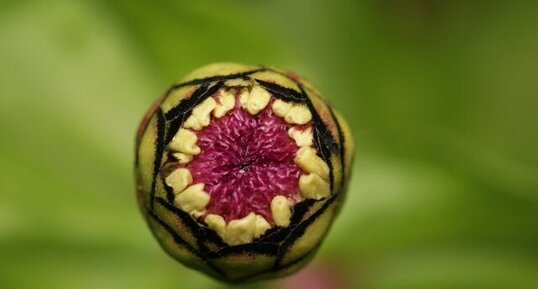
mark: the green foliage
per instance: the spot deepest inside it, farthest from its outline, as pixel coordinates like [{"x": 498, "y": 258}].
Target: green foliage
[{"x": 441, "y": 97}]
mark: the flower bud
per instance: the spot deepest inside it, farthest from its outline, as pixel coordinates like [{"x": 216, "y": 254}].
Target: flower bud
[{"x": 240, "y": 170}]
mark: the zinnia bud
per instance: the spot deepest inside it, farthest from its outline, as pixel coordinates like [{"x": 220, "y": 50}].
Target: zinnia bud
[{"x": 240, "y": 170}]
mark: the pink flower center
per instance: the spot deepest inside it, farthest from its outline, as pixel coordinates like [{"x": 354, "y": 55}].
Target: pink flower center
[{"x": 246, "y": 160}]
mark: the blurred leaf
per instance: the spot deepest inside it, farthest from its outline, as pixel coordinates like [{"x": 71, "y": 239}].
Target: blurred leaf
[{"x": 441, "y": 97}]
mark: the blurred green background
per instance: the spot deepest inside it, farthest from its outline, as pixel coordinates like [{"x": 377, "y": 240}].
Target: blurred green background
[{"x": 442, "y": 97}]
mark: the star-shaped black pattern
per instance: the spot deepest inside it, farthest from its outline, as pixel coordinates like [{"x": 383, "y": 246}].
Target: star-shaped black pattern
[{"x": 276, "y": 241}]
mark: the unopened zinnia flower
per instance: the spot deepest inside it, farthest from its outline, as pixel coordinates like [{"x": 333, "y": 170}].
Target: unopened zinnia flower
[{"x": 240, "y": 170}]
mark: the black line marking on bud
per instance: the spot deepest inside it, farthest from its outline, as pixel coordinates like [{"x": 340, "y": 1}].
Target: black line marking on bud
[
  {"x": 325, "y": 135},
  {"x": 299, "y": 230},
  {"x": 181, "y": 241},
  {"x": 278, "y": 234},
  {"x": 322, "y": 137},
  {"x": 183, "y": 110},
  {"x": 282, "y": 267},
  {"x": 170, "y": 196},
  {"x": 188, "y": 103},
  {"x": 300, "y": 209},
  {"x": 304, "y": 95},
  {"x": 217, "y": 78},
  {"x": 284, "y": 92},
  {"x": 173, "y": 127},
  {"x": 213, "y": 237},
  {"x": 189, "y": 221},
  {"x": 341, "y": 140},
  {"x": 159, "y": 149},
  {"x": 176, "y": 115},
  {"x": 176, "y": 237},
  {"x": 200, "y": 235},
  {"x": 269, "y": 249},
  {"x": 274, "y": 235}
]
